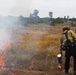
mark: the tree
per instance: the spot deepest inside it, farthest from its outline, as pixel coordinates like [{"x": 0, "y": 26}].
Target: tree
[
  {"x": 31, "y": 15},
  {"x": 51, "y": 14},
  {"x": 67, "y": 17},
  {"x": 35, "y": 13}
]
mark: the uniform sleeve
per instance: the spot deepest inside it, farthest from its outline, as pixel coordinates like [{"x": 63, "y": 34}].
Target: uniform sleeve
[{"x": 73, "y": 34}]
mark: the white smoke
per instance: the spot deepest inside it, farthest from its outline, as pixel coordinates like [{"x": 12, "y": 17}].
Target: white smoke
[
  {"x": 14, "y": 7},
  {"x": 3, "y": 37},
  {"x": 21, "y": 7},
  {"x": 10, "y": 8}
]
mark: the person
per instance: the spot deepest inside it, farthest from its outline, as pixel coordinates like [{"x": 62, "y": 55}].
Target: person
[{"x": 68, "y": 45}]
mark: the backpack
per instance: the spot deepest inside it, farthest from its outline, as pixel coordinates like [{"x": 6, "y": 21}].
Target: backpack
[{"x": 65, "y": 45}]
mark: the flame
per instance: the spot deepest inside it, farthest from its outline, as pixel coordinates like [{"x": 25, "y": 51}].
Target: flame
[
  {"x": 31, "y": 64},
  {"x": 2, "y": 64},
  {"x": 6, "y": 46},
  {"x": 59, "y": 67}
]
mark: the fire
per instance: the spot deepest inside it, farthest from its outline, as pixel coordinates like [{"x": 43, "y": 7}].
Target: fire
[
  {"x": 59, "y": 67},
  {"x": 31, "y": 64},
  {"x": 6, "y": 46},
  {"x": 2, "y": 64}
]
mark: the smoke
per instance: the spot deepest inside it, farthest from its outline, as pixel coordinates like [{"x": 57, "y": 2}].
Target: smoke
[
  {"x": 6, "y": 6},
  {"x": 14, "y": 7},
  {"x": 9, "y": 23},
  {"x": 3, "y": 37},
  {"x": 21, "y": 7}
]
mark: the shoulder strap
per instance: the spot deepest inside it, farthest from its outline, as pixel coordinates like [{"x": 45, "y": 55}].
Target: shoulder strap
[{"x": 66, "y": 34}]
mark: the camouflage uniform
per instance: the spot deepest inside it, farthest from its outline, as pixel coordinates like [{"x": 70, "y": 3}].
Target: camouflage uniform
[{"x": 70, "y": 51}]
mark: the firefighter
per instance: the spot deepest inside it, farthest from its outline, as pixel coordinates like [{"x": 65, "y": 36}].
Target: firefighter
[{"x": 68, "y": 45}]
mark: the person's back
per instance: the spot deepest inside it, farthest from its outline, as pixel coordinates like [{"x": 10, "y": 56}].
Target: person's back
[{"x": 68, "y": 37}]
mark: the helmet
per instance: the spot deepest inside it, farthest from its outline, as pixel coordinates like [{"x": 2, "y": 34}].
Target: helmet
[{"x": 66, "y": 28}]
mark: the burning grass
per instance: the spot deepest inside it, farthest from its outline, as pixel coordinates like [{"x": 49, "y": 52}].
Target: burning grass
[
  {"x": 35, "y": 51},
  {"x": 40, "y": 47}
]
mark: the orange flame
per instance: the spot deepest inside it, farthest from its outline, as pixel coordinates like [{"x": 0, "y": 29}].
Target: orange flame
[
  {"x": 31, "y": 64},
  {"x": 2, "y": 64},
  {"x": 6, "y": 46},
  {"x": 59, "y": 67}
]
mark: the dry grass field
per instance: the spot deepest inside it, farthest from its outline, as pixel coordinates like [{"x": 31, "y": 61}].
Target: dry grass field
[{"x": 33, "y": 51}]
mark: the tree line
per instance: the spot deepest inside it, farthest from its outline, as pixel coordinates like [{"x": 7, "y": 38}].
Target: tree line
[{"x": 35, "y": 19}]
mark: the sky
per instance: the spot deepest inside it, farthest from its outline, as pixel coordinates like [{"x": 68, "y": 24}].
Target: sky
[{"x": 60, "y": 8}]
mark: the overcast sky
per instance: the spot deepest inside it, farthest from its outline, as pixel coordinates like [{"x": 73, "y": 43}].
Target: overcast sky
[{"x": 60, "y": 8}]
